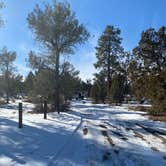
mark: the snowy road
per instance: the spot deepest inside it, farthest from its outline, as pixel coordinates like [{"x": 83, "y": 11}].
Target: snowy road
[{"x": 90, "y": 134}]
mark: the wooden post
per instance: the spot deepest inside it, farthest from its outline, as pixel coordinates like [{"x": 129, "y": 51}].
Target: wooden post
[
  {"x": 20, "y": 115},
  {"x": 45, "y": 109}
]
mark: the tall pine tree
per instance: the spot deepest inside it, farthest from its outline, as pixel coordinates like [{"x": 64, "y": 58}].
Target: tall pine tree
[
  {"x": 58, "y": 30},
  {"x": 108, "y": 52},
  {"x": 151, "y": 63}
]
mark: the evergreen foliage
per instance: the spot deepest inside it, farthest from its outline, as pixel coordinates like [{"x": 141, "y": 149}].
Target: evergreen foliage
[
  {"x": 150, "y": 80},
  {"x": 7, "y": 59},
  {"x": 108, "y": 52},
  {"x": 56, "y": 29}
]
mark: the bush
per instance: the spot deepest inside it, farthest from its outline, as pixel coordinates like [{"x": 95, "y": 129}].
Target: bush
[
  {"x": 39, "y": 107},
  {"x": 2, "y": 102},
  {"x": 157, "y": 92}
]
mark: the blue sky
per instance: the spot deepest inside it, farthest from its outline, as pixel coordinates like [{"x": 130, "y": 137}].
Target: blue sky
[{"x": 131, "y": 16}]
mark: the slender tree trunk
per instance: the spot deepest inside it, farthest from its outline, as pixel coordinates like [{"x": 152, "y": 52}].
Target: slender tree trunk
[
  {"x": 57, "y": 95},
  {"x": 109, "y": 73},
  {"x": 108, "y": 77},
  {"x": 7, "y": 82}
]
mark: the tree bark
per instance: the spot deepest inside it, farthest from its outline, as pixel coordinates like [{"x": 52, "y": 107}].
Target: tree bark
[
  {"x": 108, "y": 72},
  {"x": 108, "y": 77},
  {"x": 7, "y": 81},
  {"x": 57, "y": 95}
]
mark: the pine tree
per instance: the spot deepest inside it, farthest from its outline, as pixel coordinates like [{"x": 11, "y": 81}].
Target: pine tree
[
  {"x": 108, "y": 52},
  {"x": 56, "y": 29},
  {"x": 100, "y": 85},
  {"x": 29, "y": 83},
  {"x": 95, "y": 92},
  {"x": 6, "y": 66},
  {"x": 150, "y": 67},
  {"x": 156, "y": 91},
  {"x": 69, "y": 80},
  {"x": 117, "y": 89},
  {"x": 151, "y": 50},
  {"x": 44, "y": 83}
]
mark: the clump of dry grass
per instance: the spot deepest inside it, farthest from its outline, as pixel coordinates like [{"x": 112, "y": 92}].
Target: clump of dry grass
[
  {"x": 156, "y": 116},
  {"x": 2, "y": 102},
  {"x": 140, "y": 108},
  {"x": 161, "y": 118}
]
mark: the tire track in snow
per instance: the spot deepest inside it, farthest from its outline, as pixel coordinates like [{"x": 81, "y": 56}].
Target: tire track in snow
[{"x": 53, "y": 160}]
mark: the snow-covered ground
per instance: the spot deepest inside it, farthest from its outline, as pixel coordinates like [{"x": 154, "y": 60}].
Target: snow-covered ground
[{"x": 90, "y": 134}]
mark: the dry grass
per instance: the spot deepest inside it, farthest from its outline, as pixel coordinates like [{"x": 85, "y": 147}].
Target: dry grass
[
  {"x": 139, "y": 108},
  {"x": 2, "y": 102},
  {"x": 105, "y": 134},
  {"x": 138, "y": 135},
  {"x": 161, "y": 118},
  {"x": 156, "y": 117}
]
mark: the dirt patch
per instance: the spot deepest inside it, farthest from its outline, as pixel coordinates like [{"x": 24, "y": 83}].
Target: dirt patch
[
  {"x": 154, "y": 132},
  {"x": 85, "y": 131},
  {"x": 158, "y": 118},
  {"x": 154, "y": 149},
  {"x": 138, "y": 135},
  {"x": 139, "y": 108},
  {"x": 152, "y": 116},
  {"x": 109, "y": 139},
  {"x": 117, "y": 132}
]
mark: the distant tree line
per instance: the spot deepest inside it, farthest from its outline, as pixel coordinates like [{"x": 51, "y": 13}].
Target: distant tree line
[
  {"x": 58, "y": 32},
  {"x": 140, "y": 75},
  {"x": 121, "y": 76}
]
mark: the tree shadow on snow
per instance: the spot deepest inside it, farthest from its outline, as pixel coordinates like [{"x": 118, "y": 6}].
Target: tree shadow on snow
[
  {"x": 31, "y": 143},
  {"x": 49, "y": 144}
]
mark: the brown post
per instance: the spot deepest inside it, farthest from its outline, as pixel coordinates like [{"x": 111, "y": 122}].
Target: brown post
[
  {"x": 45, "y": 109},
  {"x": 20, "y": 115}
]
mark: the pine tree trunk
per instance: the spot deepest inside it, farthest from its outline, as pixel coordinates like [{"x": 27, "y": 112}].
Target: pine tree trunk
[
  {"x": 109, "y": 80},
  {"x": 7, "y": 81},
  {"x": 57, "y": 101},
  {"x": 109, "y": 73}
]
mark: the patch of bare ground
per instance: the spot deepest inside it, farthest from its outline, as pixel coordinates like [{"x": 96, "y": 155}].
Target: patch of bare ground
[
  {"x": 117, "y": 132},
  {"x": 121, "y": 136},
  {"x": 139, "y": 108},
  {"x": 161, "y": 118},
  {"x": 109, "y": 139},
  {"x": 152, "y": 116},
  {"x": 155, "y": 149},
  {"x": 85, "y": 130},
  {"x": 138, "y": 135},
  {"x": 154, "y": 132}
]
